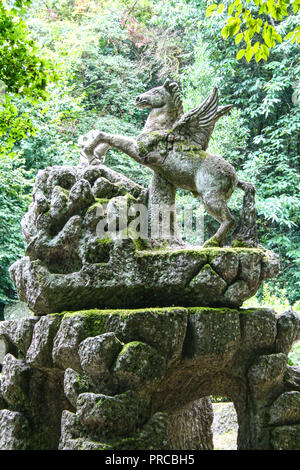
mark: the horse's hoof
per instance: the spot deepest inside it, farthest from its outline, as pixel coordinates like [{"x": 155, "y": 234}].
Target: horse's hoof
[
  {"x": 212, "y": 242},
  {"x": 95, "y": 161}
]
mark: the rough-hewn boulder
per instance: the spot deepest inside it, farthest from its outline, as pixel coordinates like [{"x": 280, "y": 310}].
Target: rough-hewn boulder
[
  {"x": 70, "y": 265},
  {"x": 137, "y": 379},
  {"x": 14, "y": 430}
]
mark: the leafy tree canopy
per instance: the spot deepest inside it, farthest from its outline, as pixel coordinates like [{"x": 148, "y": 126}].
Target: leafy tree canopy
[
  {"x": 23, "y": 72},
  {"x": 257, "y": 24}
]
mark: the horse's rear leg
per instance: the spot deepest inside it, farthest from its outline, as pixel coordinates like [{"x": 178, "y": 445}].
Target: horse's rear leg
[{"x": 218, "y": 209}]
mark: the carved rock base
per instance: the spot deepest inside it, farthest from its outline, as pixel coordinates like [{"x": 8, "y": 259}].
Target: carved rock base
[
  {"x": 117, "y": 379},
  {"x": 70, "y": 264}
]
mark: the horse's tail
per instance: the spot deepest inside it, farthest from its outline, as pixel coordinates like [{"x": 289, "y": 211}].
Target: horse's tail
[{"x": 245, "y": 233}]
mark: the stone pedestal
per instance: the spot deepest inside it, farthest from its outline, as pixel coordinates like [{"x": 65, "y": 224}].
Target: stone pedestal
[
  {"x": 70, "y": 264},
  {"x": 82, "y": 376},
  {"x": 118, "y": 379}
]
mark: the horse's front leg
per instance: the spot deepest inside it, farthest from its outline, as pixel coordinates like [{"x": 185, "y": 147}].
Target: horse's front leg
[
  {"x": 163, "y": 219},
  {"x": 124, "y": 144}
]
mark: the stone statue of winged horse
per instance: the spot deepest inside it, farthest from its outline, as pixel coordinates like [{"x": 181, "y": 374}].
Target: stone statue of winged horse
[{"x": 174, "y": 144}]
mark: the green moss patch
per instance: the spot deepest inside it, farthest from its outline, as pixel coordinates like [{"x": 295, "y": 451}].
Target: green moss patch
[
  {"x": 96, "y": 320},
  {"x": 99, "y": 203},
  {"x": 220, "y": 311}
]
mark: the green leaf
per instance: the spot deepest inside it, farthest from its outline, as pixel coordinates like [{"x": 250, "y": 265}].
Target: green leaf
[
  {"x": 231, "y": 9},
  {"x": 225, "y": 32},
  {"x": 210, "y": 10},
  {"x": 238, "y": 38},
  {"x": 240, "y": 54},
  {"x": 289, "y": 35},
  {"x": 220, "y": 8},
  {"x": 249, "y": 54},
  {"x": 265, "y": 50},
  {"x": 256, "y": 47},
  {"x": 258, "y": 55},
  {"x": 234, "y": 28}
]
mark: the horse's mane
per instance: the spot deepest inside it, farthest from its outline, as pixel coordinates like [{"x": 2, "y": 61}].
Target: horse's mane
[{"x": 176, "y": 95}]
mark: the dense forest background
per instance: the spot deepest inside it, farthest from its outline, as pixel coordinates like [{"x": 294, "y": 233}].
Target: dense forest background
[{"x": 103, "y": 54}]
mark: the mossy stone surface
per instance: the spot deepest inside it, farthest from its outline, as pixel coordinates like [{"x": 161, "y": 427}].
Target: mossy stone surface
[
  {"x": 286, "y": 437},
  {"x": 109, "y": 415},
  {"x": 138, "y": 365},
  {"x": 76, "y": 261},
  {"x": 286, "y": 409},
  {"x": 119, "y": 376}
]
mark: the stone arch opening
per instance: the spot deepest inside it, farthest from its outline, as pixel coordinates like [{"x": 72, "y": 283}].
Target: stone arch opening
[
  {"x": 205, "y": 424},
  {"x": 118, "y": 379},
  {"x": 185, "y": 396},
  {"x": 225, "y": 424}
]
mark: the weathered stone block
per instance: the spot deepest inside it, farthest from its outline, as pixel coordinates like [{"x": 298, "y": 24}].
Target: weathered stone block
[
  {"x": 288, "y": 331},
  {"x": 250, "y": 269},
  {"x": 4, "y": 348},
  {"x": 17, "y": 333},
  {"x": 70, "y": 432},
  {"x": 213, "y": 333},
  {"x": 103, "y": 188},
  {"x": 266, "y": 374},
  {"x": 98, "y": 353},
  {"x": 138, "y": 365},
  {"x": 59, "y": 203},
  {"x": 292, "y": 378},
  {"x": 39, "y": 353},
  {"x": 15, "y": 380},
  {"x": 286, "y": 409},
  {"x": 71, "y": 332},
  {"x": 74, "y": 385},
  {"x": 226, "y": 264},
  {"x": 162, "y": 328},
  {"x": 286, "y": 437},
  {"x": 258, "y": 328},
  {"x": 13, "y": 430},
  {"x": 64, "y": 176},
  {"x": 237, "y": 293},
  {"x": 152, "y": 436},
  {"x": 80, "y": 196},
  {"x": 208, "y": 285},
  {"x": 270, "y": 265},
  {"x": 104, "y": 415}
]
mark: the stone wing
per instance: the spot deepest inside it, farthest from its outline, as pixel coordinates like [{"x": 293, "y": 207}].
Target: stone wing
[{"x": 198, "y": 124}]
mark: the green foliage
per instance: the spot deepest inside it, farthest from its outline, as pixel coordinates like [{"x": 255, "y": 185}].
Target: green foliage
[
  {"x": 266, "y": 96},
  {"x": 280, "y": 303},
  {"x": 23, "y": 73},
  {"x": 249, "y": 22},
  {"x": 267, "y": 298},
  {"x": 215, "y": 399},
  {"x": 21, "y": 69},
  {"x": 294, "y": 355},
  {"x": 15, "y": 184}
]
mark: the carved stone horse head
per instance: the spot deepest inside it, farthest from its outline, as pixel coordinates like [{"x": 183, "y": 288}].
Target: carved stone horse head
[
  {"x": 168, "y": 94},
  {"x": 165, "y": 101}
]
